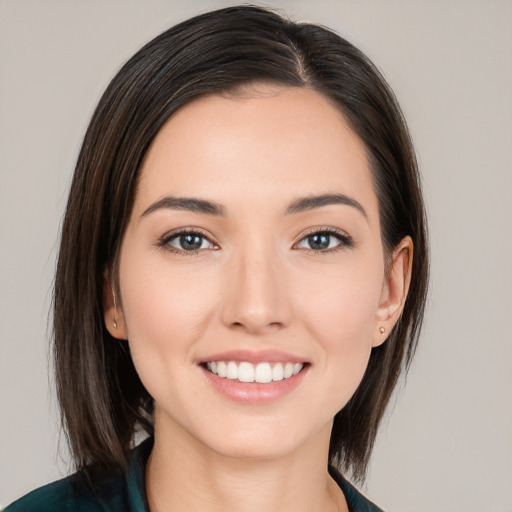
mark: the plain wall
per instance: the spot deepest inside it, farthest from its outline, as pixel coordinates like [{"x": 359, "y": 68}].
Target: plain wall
[{"x": 446, "y": 444}]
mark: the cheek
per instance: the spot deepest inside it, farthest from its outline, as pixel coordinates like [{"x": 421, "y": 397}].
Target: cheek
[
  {"x": 166, "y": 308},
  {"x": 344, "y": 303},
  {"x": 339, "y": 311}
]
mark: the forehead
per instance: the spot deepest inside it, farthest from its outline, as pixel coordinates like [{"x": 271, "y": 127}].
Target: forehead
[{"x": 265, "y": 142}]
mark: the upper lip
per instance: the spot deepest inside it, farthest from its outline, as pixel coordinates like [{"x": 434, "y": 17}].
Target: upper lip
[{"x": 254, "y": 356}]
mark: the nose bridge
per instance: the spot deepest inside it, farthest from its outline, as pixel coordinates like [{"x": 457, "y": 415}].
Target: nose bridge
[{"x": 256, "y": 298}]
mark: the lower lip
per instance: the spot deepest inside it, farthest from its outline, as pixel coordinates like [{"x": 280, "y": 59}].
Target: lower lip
[{"x": 254, "y": 392}]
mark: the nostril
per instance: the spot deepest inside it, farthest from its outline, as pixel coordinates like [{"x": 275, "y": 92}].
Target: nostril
[{"x": 256, "y": 327}]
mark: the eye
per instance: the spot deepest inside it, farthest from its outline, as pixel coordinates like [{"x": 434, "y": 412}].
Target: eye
[
  {"x": 187, "y": 242},
  {"x": 325, "y": 240}
]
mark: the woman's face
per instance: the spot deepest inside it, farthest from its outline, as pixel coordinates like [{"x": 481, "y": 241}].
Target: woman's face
[{"x": 253, "y": 252}]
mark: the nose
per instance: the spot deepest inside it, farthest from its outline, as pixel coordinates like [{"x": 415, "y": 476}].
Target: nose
[{"x": 256, "y": 296}]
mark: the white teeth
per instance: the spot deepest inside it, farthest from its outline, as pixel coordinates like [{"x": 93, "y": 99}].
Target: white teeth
[
  {"x": 221, "y": 369},
  {"x": 262, "y": 373},
  {"x": 288, "y": 370},
  {"x": 277, "y": 372},
  {"x": 246, "y": 372},
  {"x": 232, "y": 370}
]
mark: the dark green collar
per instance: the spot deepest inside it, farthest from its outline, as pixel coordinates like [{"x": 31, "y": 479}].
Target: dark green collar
[{"x": 118, "y": 491}]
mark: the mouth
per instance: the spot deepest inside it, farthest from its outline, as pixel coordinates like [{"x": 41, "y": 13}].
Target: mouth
[
  {"x": 254, "y": 377},
  {"x": 247, "y": 372}
]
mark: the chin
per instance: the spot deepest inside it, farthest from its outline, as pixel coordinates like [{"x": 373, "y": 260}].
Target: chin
[
  {"x": 266, "y": 439},
  {"x": 254, "y": 449}
]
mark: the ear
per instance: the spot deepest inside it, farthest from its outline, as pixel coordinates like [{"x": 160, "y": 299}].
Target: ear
[
  {"x": 394, "y": 291},
  {"x": 112, "y": 312}
]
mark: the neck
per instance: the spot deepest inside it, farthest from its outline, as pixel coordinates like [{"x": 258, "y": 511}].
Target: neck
[{"x": 182, "y": 475}]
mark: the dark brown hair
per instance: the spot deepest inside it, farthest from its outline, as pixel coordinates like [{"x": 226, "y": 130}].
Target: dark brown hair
[{"x": 102, "y": 400}]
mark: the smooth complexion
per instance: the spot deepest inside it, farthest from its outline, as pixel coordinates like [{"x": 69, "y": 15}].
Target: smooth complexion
[{"x": 229, "y": 257}]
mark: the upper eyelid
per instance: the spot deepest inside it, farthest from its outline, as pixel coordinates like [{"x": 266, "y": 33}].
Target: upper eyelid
[
  {"x": 323, "y": 229},
  {"x": 188, "y": 231},
  {"x": 163, "y": 242},
  {"x": 345, "y": 240},
  {"x": 304, "y": 234}
]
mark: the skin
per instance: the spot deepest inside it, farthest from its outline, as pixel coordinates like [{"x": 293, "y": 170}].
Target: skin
[{"x": 256, "y": 283}]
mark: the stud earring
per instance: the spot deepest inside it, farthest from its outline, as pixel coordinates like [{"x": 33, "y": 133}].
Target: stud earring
[
  {"x": 115, "y": 324},
  {"x": 382, "y": 330}
]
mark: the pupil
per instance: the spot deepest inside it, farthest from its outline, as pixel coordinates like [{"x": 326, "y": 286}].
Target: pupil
[
  {"x": 319, "y": 241},
  {"x": 190, "y": 242}
]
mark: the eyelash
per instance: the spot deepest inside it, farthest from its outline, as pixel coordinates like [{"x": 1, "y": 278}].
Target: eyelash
[
  {"x": 164, "y": 242},
  {"x": 345, "y": 241}
]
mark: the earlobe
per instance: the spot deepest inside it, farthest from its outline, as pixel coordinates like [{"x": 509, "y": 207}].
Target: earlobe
[
  {"x": 112, "y": 313},
  {"x": 394, "y": 290}
]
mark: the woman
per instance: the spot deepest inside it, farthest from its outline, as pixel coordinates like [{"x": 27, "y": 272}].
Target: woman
[{"x": 241, "y": 277}]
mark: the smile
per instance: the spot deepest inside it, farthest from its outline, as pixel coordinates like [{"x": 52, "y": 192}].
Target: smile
[{"x": 262, "y": 373}]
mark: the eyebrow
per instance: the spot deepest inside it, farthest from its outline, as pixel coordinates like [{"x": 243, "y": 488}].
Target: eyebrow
[
  {"x": 186, "y": 203},
  {"x": 311, "y": 202},
  {"x": 210, "y": 208}
]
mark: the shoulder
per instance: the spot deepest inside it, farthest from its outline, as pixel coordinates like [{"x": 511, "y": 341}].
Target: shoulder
[
  {"x": 68, "y": 494},
  {"x": 75, "y": 494},
  {"x": 116, "y": 489},
  {"x": 355, "y": 500}
]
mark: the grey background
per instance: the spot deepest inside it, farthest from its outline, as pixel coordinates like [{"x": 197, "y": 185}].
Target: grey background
[{"x": 446, "y": 444}]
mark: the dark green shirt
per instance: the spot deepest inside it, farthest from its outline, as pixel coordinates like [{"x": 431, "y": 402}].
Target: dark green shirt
[{"x": 125, "y": 492}]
